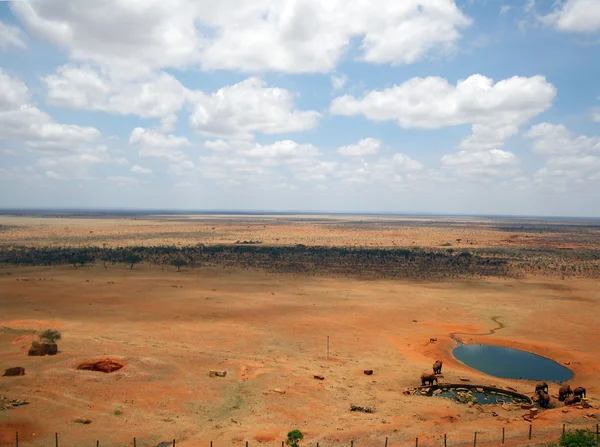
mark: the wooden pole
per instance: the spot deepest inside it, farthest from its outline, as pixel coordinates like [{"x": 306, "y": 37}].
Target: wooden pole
[
  {"x": 174, "y": 443},
  {"x": 563, "y": 429},
  {"x": 210, "y": 443},
  {"x": 386, "y": 441},
  {"x": 134, "y": 443},
  {"x": 56, "y": 439},
  {"x": 475, "y": 440},
  {"x": 352, "y": 443},
  {"x": 97, "y": 443},
  {"x": 530, "y": 427},
  {"x": 17, "y": 439},
  {"x": 444, "y": 439},
  {"x": 246, "y": 443},
  {"x": 502, "y": 435},
  {"x": 416, "y": 442}
]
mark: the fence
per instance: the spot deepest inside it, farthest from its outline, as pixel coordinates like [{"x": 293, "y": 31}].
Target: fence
[{"x": 503, "y": 438}]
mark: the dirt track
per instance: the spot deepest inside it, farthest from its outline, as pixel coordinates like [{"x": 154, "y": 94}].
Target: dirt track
[{"x": 269, "y": 331}]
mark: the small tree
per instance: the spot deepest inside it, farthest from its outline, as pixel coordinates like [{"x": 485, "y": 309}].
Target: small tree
[
  {"x": 294, "y": 437},
  {"x": 131, "y": 259},
  {"x": 51, "y": 335},
  {"x": 579, "y": 438},
  {"x": 179, "y": 263}
]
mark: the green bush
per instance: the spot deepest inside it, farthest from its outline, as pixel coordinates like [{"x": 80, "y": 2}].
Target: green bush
[
  {"x": 294, "y": 437},
  {"x": 579, "y": 438},
  {"x": 52, "y": 335}
]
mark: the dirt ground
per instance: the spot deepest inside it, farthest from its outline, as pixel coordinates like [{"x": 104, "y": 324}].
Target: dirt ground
[{"x": 269, "y": 331}]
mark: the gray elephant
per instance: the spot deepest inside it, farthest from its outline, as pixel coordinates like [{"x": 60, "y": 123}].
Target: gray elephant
[
  {"x": 437, "y": 367},
  {"x": 543, "y": 399},
  {"x": 564, "y": 392},
  {"x": 572, "y": 400},
  {"x": 427, "y": 378},
  {"x": 579, "y": 392}
]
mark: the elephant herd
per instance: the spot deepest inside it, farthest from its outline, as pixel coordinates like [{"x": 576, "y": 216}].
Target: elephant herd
[
  {"x": 428, "y": 378},
  {"x": 565, "y": 394}
]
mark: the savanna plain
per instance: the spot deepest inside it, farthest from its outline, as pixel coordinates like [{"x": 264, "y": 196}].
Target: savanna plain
[{"x": 275, "y": 300}]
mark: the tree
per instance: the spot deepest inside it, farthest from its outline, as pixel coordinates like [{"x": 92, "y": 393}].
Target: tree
[
  {"x": 131, "y": 259},
  {"x": 52, "y": 335},
  {"x": 179, "y": 263},
  {"x": 294, "y": 437}
]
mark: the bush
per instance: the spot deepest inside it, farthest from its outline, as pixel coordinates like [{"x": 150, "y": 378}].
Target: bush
[
  {"x": 294, "y": 437},
  {"x": 52, "y": 335},
  {"x": 579, "y": 438}
]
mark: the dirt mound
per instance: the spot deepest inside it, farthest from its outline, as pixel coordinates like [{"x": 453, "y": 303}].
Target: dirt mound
[
  {"x": 102, "y": 365},
  {"x": 43, "y": 348}
]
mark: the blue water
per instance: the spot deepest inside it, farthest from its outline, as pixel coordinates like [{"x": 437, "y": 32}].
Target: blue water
[{"x": 511, "y": 363}]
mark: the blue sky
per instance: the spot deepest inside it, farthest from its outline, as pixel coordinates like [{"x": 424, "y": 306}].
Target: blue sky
[{"x": 473, "y": 106}]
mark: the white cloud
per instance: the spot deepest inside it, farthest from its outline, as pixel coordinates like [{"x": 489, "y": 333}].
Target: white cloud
[
  {"x": 139, "y": 170},
  {"x": 76, "y": 165},
  {"x": 155, "y": 144},
  {"x": 481, "y": 164},
  {"x": 246, "y": 107},
  {"x": 339, "y": 82},
  {"x": 556, "y": 139},
  {"x": 432, "y": 102},
  {"x": 385, "y": 171},
  {"x": 580, "y": 16},
  {"x": 158, "y": 95},
  {"x": 494, "y": 110},
  {"x": 504, "y": 9},
  {"x": 571, "y": 161},
  {"x": 262, "y": 35},
  {"x": 10, "y": 36},
  {"x": 21, "y": 121},
  {"x": 217, "y": 145},
  {"x": 366, "y": 146}
]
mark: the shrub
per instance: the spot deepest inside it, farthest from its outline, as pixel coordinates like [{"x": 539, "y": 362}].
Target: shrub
[
  {"x": 52, "y": 335},
  {"x": 118, "y": 412},
  {"x": 579, "y": 438},
  {"x": 294, "y": 437}
]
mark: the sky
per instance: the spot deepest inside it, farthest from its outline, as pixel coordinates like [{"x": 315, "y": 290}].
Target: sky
[{"x": 412, "y": 106}]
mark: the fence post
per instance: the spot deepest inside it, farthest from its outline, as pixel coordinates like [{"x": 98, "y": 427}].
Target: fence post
[
  {"x": 210, "y": 443},
  {"x": 56, "y": 439},
  {"x": 444, "y": 439},
  {"x": 530, "y": 428},
  {"x": 351, "y": 443},
  {"x": 416, "y": 442},
  {"x": 597, "y": 431},
  {"x": 475, "y": 440},
  {"x": 502, "y": 435},
  {"x": 174, "y": 443},
  {"x": 97, "y": 443},
  {"x": 564, "y": 429},
  {"x": 134, "y": 443},
  {"x": 17, "y": 439},
  {"x": 387, "y": 437}
]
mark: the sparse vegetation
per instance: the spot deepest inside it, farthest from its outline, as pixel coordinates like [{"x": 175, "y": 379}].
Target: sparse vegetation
[
  {"x": 179, "y": 262},
  {"x": 118, "y": 412},
  {"x": 294, "y": 437},
  {"x": 579, "y": 438},
  {"x": 51, "y": 335}
]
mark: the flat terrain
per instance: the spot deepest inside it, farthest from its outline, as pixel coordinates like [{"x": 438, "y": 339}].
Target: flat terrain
[{"x": 269, "y": 331}]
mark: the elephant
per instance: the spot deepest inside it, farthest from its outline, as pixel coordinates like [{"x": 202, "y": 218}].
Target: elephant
[
  {"x": 572, "y": 400},
  {"x": 543, "y": 399},
  {"x": 428, "y": 378},
  {"x": 541, "y": 386},
  {"x": 564, "y": 391},
  {"x": 579, "y": 392},
  {"x": 437, "y": 367}
]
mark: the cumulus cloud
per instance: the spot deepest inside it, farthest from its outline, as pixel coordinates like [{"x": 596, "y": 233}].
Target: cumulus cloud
[
  {"x": 77, "y": 165},
  {"x": 366, "y": 146},
  {"x": 21, "y": 121},
  {"x": 384, "y": 171},
  {"x": 482, "y": 164},
  {"x": 432, "y": 102},
  {"x": 577, "y": 16},
  {"x": 158, "y": 95},
  {"x": 10, "y": 36},
  {"x": 136, "y": 169},
  {"x": 249, "y": 106},
  {"x": 262, "y": 35},
  {"x": 572, "y": 159},
  {"x": 556, "y": 139},
  {"x": 158, "y": 145}
]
